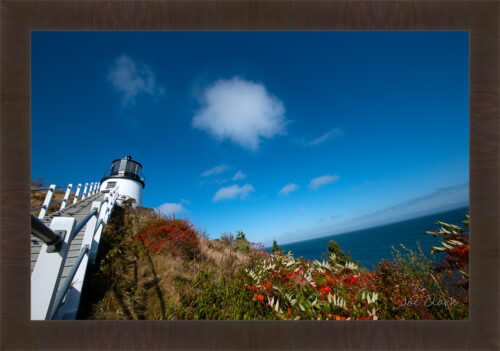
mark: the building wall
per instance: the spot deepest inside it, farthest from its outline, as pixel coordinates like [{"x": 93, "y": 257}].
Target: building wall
[{"x": 128, "y": 188}]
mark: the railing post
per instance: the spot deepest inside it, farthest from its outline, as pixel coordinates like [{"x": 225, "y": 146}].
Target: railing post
[
  {"x": 47, "y": 271},
  {"x": 46, "y": 202},
  {"x": 70, "y": 307},
  {"x": 77, "y": 193},
  {"x": 91, "y": 188},
  {"x": 97, "y": 235},
  {"x": 66, "y": 196},
  {"x": 84, "y": 191}
]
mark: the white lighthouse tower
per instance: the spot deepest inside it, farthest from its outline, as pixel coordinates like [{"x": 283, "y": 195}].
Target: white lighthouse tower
[{"x": 125, "y": 174}]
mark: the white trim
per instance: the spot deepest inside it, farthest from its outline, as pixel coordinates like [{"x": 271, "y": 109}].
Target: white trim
[{"x": 47, "y": 272}]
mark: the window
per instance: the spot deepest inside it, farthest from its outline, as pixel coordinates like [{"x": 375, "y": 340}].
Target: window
[{"x": 110, "y": 185}]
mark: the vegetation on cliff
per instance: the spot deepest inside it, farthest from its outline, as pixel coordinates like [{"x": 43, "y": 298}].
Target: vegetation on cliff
[
  {"x": 151, "y": 266},
  {"x": 38, "y": 197}
]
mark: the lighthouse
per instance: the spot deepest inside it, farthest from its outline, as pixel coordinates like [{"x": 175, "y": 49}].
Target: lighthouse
[{"x": 126, "y": 175}]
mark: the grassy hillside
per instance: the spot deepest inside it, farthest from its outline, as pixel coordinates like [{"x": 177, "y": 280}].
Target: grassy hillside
[
  {"x": 38, "y": 197},
  {"x": 154, "y": 267}
]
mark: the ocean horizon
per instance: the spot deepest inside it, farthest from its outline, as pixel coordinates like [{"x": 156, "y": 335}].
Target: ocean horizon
[{"x": 369, "y": 246}]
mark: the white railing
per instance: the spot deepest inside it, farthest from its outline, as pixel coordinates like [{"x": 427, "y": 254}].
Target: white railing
[
  {"x": 94, "y": 188},
  {"x": 46, "y": 301}
]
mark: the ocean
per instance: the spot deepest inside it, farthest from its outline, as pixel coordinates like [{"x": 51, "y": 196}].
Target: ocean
[{"x": 370, "y": 246}]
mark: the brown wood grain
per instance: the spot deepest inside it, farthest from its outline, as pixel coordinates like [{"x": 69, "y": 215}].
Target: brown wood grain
[{"x": 19, "y": 18}]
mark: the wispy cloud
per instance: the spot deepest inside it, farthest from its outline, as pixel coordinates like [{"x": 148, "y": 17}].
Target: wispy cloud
[
  {"x": 323, "y": 180},
  {"x": 131, "y": 79},
  {"x": 233, "y": 192},
  {"x": 242, "y": 111},
  {"x": 440, "y": 199},
  {"x": 332, "y": 134},
  {"x": 239, "y": 175},
  {"x": 356, "y": 187},
  {"x": 215, "y": 170},
  {"x": 169, "y": 208},
  {"x": 287, "y": 189}
]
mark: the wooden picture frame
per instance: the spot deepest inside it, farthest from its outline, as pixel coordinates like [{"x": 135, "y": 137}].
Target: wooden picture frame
[{"x": 19, "y": 18}]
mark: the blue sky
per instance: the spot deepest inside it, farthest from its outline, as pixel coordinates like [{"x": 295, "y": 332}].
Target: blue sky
[{"x": 285, "y": 135}]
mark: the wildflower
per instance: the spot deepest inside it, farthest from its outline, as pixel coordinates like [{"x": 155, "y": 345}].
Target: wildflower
[
  {"x": 260, "y": 297},
  {"x": 325, "y": 290},
  {"x": 251, "y": 288}
]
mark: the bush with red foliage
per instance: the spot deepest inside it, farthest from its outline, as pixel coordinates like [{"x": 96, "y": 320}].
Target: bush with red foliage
[
  {"x": 455, "y": 266},
  {"x": 175, "y": 235}
]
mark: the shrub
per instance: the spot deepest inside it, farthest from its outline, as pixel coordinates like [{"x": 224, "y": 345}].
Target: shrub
[
  {"x": 227, "y": 239},
  {"x": 243, "y": 246},
  {"x": 454, "y": 269},
  {"x": 213, "y": 297},
  {"x": 129, "y": 202},
  {"x": 174, "y": 235},
  {"x": 276, "y": 247},
  {"x": 414, "y": 263},
  {"x": 300, "y": 289},
  {"x": 240, "y": 235},
  {"x": 38, "y": 183},
  {"x": 334, "y": 248}
]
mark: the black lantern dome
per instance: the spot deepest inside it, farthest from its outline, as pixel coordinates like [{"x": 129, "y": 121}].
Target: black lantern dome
[{"x": 125, "y": 168}]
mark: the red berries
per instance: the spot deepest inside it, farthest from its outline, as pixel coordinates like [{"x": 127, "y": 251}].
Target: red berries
[
  {"x": 325, "y": 290},
  {"x": 258, "y": 297}
]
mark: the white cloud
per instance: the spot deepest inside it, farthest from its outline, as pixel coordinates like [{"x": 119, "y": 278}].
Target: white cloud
[
  {"x": 130, "y": 79},
  {"x": 241, "y": 111},
  {"x": 215, "y": 171},
  {"x": 239, "y": 175},
  {"x": 287, "y": 189},
  {"x": 320, "y": 181},
  {"x": 335, "y": 132},
  {"x": 232, "y": 192},
  {"x": 169, "y": 208}
]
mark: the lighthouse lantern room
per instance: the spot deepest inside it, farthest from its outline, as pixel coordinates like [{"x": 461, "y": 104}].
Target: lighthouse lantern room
[{"x": 125, "y": 174}]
